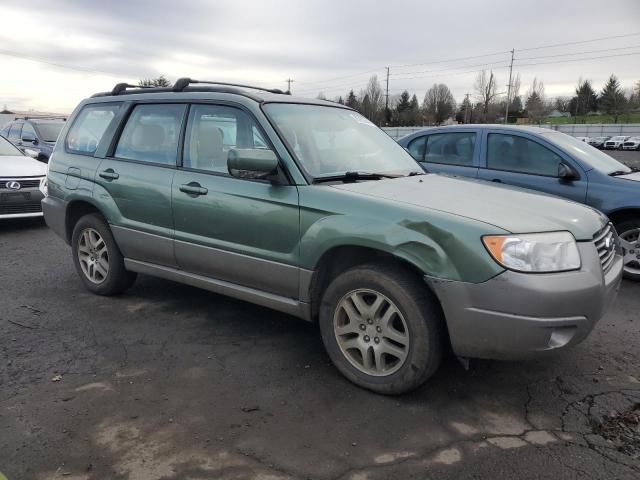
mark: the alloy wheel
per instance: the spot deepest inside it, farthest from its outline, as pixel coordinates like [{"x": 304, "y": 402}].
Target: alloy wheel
[
  {"x": 93, "y": 256},
  {"x": 630, "y": 241},
  {"x": 371, "y": 332}
]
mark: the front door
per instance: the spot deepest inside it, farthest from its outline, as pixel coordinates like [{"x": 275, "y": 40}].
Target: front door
[
  {"x": 238, "y": 230},
  {"x": 136, "y": 182},
  {"x": 516, "y": 159}
]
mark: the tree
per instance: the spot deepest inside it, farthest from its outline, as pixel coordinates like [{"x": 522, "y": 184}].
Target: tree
[
  {"x": 585, "y": 100},
  {"x": 486, "y": 91},
  {"x": 161, "y": 81},
  {"x": 352, "y": 101},
  {"x": 340, "y": 100},
  {"x": 373, "y": 110},
  {"x": 402, "y": 109},
  {"x": 439, "y": 103},
  {"x": 413, "y": 116},
  {"x": 536, "y": 103},
  {"x": 612, "y": 100},
  {"x": 561, "y": 104},
  {"x": 463, "y": 115}
]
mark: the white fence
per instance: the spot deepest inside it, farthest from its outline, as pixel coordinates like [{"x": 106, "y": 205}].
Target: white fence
[{"x": 576, "y": 130}]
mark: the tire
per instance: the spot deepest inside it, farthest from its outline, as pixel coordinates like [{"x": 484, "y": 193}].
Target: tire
[
  {"x": 114, "y": 278},
  {"x": 629, "y": 233},
  {"x": 417, "y": 321}
]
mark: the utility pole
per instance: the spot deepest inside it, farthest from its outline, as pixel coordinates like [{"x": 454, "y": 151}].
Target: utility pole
[
  {"x": 506, "y": 113},
  {"x": 466, "y": 108},
  {"x": 386, "y": 100},
  {"x": 289, "y": 82}
]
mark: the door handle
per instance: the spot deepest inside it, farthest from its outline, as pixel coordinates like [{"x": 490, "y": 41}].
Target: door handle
[
  {"x": 109, "y": 174},
  {"x": 193, "y": 188},
  {"x": 496, "y": 180}
]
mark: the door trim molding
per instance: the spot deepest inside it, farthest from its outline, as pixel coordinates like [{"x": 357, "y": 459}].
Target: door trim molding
[{"x": 259, "y": 297}]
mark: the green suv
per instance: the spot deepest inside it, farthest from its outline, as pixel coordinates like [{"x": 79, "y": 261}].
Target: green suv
[{"x": 306, "y": 207}]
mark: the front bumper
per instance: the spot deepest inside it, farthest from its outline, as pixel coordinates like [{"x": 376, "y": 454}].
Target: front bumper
[
  {"x": 631, "y": 147},
  {"x": 54, "y": 210},
  {"x": 22, "y": 203},
  {"x": 518, "y": 315}
]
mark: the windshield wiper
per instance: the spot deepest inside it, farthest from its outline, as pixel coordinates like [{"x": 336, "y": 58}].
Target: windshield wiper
[
  {"x": 355, "y": 176},
  {"x": 619, "y": 172}
]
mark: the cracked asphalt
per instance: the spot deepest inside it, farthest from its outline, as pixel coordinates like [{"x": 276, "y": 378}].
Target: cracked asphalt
[{"x": 172, "y": 382}]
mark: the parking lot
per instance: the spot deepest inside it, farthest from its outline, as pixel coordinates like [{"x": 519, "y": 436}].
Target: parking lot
[{"x": 168, "y": 381}]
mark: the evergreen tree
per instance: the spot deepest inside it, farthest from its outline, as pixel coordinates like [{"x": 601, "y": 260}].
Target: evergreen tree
[
  {"x": 414, "y": 112},
  {"x": 340, "y": 100},
  {"x": 585, "y": 100},
  {"x": 535, "y": 107},
  {"x": 402, "y": 109},
  {"x": 352, "y": 100},
  {"x": 612, "y": 100}
]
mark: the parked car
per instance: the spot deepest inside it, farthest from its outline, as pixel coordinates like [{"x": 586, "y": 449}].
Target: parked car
[
  {"x": 35, "y": 136},
  {"x": 583, "y": 139},
  {"x": 306, "y": 207},
  {"x": 540, "y": 159},
  {"x": 632, "y": 144},
  {"x": 615, "y": 143},
  {"x": 22, "y": 183},
  {"x": 598, "y": 142}
]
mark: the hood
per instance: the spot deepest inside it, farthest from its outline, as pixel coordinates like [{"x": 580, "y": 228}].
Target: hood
[
  {"x": 509, "y": 208},
  {"x": 16, "y": 166},
  {"x": 630, "y": 176}
]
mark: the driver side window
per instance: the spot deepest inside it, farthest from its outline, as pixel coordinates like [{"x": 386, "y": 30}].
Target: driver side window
[{"x": 519, "y": 154}]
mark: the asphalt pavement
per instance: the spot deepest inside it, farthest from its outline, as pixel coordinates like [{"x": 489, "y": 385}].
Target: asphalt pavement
[{"x": 172, "y": 382}]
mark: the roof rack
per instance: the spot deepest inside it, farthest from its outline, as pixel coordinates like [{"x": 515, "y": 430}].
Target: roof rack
[
  {"x": 183, "y": 83},
  {"x": 41, "y": 117},
  {"x": 121, "y": 87}
]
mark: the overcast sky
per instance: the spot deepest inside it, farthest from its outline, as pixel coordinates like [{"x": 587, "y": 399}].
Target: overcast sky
[{"x": 53, "y": 53}]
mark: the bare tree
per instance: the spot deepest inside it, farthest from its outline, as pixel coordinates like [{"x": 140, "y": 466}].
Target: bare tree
[
  {"x": 439, "y": 103},
  {"x": 486, "y": 91},
  {"x": 161, "y": 81},
  {"x": 374, "y": 108},
  {"x": 536, "y": 104}
]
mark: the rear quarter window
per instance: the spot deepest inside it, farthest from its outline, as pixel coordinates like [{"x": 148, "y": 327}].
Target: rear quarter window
[{"x": 89, "y": 127}]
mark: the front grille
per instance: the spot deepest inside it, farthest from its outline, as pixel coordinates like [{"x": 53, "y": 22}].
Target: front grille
[
  {"x": 20, "y": 208},
  {"x": 605, "y": 242},
  {"x": 24, "y": 183}
]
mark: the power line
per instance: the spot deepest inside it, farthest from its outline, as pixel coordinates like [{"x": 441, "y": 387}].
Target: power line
[
  {"x": 580, "y": 53},
  {"x": 341, "y": 78},
  {"x": 578, "y": 42},
  {"x": 452, "y": 59},
  {"x": 444, "y": 69},
  {"x": 576, "y": 59}
]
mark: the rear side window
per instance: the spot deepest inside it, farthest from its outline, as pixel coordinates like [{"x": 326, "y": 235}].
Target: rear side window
[
  {"x": 151, "y": 134},
  {"x": 14, "y": 132},
  {"x": 451, "y": 148},
  {"x": 519, "y": 154},
  {"x": 89, "y": 127},
  {"x": 417, "y": 148}
]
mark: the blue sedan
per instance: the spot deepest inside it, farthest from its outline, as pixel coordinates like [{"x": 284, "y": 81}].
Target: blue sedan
[{"x": 543, "y": 160}]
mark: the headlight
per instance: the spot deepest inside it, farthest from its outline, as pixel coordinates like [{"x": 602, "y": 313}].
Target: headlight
[
  {"x": 43, "y": 186},
  {"x": 535, "y": 252}
]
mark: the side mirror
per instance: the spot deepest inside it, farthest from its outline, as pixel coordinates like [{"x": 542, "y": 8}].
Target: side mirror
[
  {"x": 29, "y": 137},
  {"x": 253, "y": 163},
  {"x": 565, "y": 172},
  {"x": 31, "y": 153}
]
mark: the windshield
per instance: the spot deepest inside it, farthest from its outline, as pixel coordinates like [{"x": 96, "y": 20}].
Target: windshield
[
  {"x": 330, "y": 141},
  {"x": 49, "y": 130},
  {"x": 586, "y": 153},
  {"x": 7, "y": 148}
]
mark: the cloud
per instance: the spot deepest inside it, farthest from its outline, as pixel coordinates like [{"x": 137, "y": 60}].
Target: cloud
[{"x": 312, "y": 41}]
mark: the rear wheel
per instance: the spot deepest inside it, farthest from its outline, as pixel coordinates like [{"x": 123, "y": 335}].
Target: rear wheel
[
  {"x": 382, "y": 328},
  {"x": 629, "y": 233},
  {"x": 97, "y": 257}
]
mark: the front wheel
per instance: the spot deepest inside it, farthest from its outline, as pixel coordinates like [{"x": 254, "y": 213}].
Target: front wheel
[
  {"x": 629, "y": 233},
  {"x": 382, "y": 328},
  {"x": 97, "y": 257}
]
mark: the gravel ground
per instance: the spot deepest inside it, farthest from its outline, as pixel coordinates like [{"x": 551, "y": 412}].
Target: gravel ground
[{"x": 168, "y": 381}]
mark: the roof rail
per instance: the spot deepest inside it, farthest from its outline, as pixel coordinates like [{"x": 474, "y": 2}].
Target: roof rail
[
  {"x": 183, "y": 83},
  {"x": 122, "y": 87}
]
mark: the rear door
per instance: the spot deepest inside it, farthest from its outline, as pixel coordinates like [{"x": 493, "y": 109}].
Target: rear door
[
  {"x": 242, "y": 231},
  {"x": 526, "y": 161},
  {"x": 453, "y": 152},
  {"x": 135, "y": 181}
]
